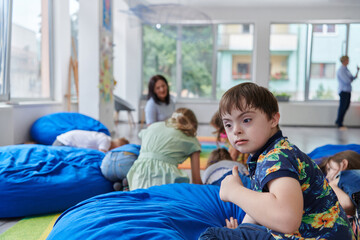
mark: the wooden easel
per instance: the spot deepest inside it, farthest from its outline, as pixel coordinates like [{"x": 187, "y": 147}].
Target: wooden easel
[{"x": 73, "y": 68}]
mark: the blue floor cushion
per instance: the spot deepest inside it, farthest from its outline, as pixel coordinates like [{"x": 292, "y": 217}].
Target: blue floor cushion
[
  {"x": 38, "y": 179},
  {"x": 45, "y": 129},
  {"x": 172, "y": 211}
]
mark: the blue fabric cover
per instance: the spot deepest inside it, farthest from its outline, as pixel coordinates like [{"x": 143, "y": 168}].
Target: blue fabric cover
[
  {"x": 45, "y": 129},
  {"x": 172, "y": 211},
  {"x": 38, "y": 179},
  {"x": 330, "y": 149},
  {"x": 349, "y": 182}
]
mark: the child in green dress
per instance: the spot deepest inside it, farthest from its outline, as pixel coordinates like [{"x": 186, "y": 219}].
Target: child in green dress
[{"x": 164, "y": 145}]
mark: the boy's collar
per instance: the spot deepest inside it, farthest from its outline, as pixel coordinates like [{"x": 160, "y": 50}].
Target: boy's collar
[{"x": 277, "y": 135}]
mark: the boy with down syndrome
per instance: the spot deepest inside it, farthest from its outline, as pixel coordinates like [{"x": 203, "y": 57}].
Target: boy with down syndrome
[{"x": 289, "y": 196}]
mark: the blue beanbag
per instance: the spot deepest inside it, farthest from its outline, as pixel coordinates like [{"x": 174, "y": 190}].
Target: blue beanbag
[
  {"x": 172, "y": 211},
  {"x": 38, "y": 179},
  {"x": 331, "y": 149},
  {"x": 47, "y": 128}
]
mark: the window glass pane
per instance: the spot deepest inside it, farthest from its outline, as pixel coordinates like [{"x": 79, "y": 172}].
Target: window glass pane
[
  {"x": 354, "y": 59},
  {"x": 326, "y": 52},
  {"x": 30, "y": 65},
  {"x": 287, "y": 60},
  {"x": 159, "y": 56},
  {"x": 4, "y": 44},
  {"x": 234, "y": 55},
  {"x": 74, "y": 22},
  {"x": 318, "y": 28},
  {"x": 196, "y": 62}
]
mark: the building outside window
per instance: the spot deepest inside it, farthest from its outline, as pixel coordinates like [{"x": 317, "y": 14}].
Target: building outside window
[
  {"x": 288, "y": 60},
  {"x": 234, "y": 55}
]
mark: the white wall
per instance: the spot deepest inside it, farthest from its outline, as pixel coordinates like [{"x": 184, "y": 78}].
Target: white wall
[
  {"x": 15, "y": 121},
  {"x": 305, "y": 113}
]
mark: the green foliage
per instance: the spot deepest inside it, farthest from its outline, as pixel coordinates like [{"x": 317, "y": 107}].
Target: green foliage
[
  {"x": 159, "y": 57},
  {"x": 322, "y": 94}
]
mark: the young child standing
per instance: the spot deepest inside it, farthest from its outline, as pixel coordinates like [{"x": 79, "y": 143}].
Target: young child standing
[
  {"x": 289, "y": 196},
  {"x": 164, "y": 145}
]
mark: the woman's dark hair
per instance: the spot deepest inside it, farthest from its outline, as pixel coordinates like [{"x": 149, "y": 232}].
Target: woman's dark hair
[{"x": 152, "y": 94}]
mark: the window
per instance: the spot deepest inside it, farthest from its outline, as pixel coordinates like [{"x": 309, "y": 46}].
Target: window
[
  {"x": 74, "y": 23},
  {"x": 287, "y": 59},
  {"x": 183, "y": 54},
  {"x": 234, "y": 55},
  {"x": 324, "y": 61},
  {"x": 159, "y": 56},
  {"x": 196, "y": 62},
  {"x": 354, "y": 58},
  {"x": 323, "y": 70},
  {"x": 4, "y": 46},
  {"x": 303, "y": 60},
  {"x": 241, "y": 67},
  {"x": 324, "y": 28},
  {"x": 30, "y": 68}
]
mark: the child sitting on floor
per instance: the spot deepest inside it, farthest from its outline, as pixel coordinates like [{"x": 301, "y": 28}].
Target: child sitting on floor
[
  {"x": 164, "y": 145},
  {"x": 89, "y": 139},
  {"x": 289, "y": 196},
  {"x": 219, "y": 165}
]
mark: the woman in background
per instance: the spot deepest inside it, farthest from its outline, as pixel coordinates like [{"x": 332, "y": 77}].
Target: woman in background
[{"x": 160, "y": 104}]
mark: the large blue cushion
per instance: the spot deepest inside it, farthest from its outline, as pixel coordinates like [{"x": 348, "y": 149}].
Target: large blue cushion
[
  {"x": 45, "y": 129},
  {"x": 38, "y": 179},
  {"x": 172, "y": 211},
  {"x": 322, "y": 152}
]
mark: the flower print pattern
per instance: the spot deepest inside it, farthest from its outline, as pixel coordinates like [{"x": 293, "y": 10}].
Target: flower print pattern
[{"x": 323, "y": 218}]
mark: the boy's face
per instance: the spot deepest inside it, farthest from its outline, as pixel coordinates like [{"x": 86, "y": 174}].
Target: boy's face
[{"x": 248, "y": 131}]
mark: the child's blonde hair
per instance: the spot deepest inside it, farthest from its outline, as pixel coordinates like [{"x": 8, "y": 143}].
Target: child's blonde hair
[
  {"x": 184, "y": 120},
  {"x": 218, "y": 155}
]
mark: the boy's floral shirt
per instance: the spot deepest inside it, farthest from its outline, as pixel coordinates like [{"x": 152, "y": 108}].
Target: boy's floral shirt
[{"x": 323, "y": 217}]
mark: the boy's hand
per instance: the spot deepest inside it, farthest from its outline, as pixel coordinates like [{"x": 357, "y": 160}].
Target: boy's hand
[
  {"x": 232, "y": 223},
  {"x": 229, "y": 183}
]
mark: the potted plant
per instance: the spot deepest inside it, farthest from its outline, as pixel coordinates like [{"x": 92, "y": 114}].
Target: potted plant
[{"x": 282, "y": 97}]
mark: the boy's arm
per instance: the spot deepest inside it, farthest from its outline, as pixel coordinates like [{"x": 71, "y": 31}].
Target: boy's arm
[{"x": 280, "y": 209}]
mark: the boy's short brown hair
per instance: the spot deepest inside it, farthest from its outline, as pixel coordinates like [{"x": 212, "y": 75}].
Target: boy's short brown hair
[{"x": 249, "y": 95}]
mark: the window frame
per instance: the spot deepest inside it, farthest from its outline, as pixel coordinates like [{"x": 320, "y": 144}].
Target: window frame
[
  {"x": 5, "y": 55},
  {"x": 7, "y": 97},
  {"x": 308, "y": 51}
]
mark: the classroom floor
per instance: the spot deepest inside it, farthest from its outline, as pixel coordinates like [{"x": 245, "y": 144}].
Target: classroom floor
[{"x": 306, "y": 138}]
